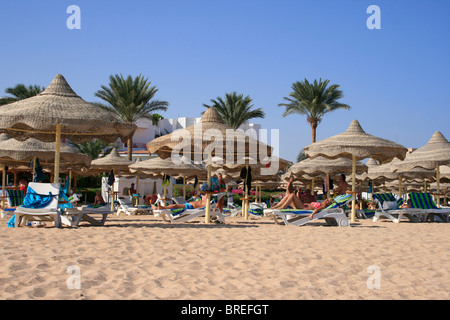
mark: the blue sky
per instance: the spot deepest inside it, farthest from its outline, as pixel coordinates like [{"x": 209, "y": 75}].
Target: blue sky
[{"x": 395, "y": 79}]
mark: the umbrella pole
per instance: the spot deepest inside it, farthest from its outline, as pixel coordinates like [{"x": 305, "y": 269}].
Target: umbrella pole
[
  {"x": 438, "y": 202},
  {"x": 400, "y": 186},
  {"x": 328, "y": 185},
  {"x": 112, "y": 192},
  {"x": 184, "y": 187},
  {"x": 246, "y": 194},
  {"x": 137, "y": 189},
  {"x": 208, "y": 195},
  {"x": 353, "y": 214},
  {"x": 57, "y": 153},
  {"x": 3, "y": 184},
  {"x": 164, "y": 190}
]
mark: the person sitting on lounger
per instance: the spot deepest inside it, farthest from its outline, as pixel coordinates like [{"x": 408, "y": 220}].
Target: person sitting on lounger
[
  {"x": 289, "y": 191},
  {"x": 187, "y": 205},
  {"x": 407, "y": 204},
  {"x": 98, "y": 200},
  {"x": 342, "y": 185}
]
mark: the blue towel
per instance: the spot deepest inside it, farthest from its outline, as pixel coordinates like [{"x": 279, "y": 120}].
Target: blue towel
[
  {"x": 12, "y": 222},
  {"x": 65, "y": 203},
  {"x": 34, "y": 200}
]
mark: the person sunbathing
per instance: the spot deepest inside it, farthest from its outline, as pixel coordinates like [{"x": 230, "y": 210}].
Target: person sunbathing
[
  {"x": 289, "y": 193},
  {"x": 321, "y": 206},
  {"x": 187, "y": 205},
  {"x": 293, "y": 201}
]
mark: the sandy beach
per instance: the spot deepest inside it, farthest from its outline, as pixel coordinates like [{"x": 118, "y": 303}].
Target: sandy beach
[{"x": 143, "y": 257}]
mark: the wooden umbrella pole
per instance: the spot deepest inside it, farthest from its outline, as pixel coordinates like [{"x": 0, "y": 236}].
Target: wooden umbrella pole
[
  {"x": 328, "y": 185},
  {"x": 112, "y": 192},
  {"x": 353, "y": 214},
  {"x": 246, "y": 194},
  {"x": 184, "y": 187},
  {"x": 438, "y": 186},
  {"x": 57, "y": 153},
  {"x": 3, "y": 185},
  {"x": 208, "y": 195},
  {"x": 34, "y": 168},
  {"x": 164, "y": 190},
  {"x": 137, "y": 190}
]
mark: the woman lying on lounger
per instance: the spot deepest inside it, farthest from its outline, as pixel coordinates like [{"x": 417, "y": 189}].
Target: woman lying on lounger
[
  {"x": 293, "y": 201},
  {"x": 188, "y": 205}
]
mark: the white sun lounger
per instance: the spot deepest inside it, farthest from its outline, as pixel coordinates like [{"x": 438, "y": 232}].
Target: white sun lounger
[
  {"x": 333, "y": 214},
  {"x": 48, "y": 213},
  {"x": 185, "y": 215}
]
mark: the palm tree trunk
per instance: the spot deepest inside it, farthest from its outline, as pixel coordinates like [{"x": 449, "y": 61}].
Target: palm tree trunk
[
  {"x": 313, "y": 133},
  {"x": 130, "y": 148}
]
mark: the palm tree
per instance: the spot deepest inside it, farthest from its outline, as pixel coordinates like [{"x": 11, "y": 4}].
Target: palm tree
[
  {"x": 236, "y": 109},
  {"x": 313, "y": 100},
  {"x": 93, "y": 148},
  {"x": 20, "y": 92},
  {"x": 130, "y": 100}
]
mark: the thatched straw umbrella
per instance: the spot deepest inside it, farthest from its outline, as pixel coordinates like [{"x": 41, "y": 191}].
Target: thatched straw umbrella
[
  {"x": 321, "y": 165},
  {"x": 14, "y": 153},
  {"x": 356, "y": 144},
  {"x": 211, "y": 137},
  {"x": 111, "y": 162},
  {"x": 430, "y": 156},
  {"x": 58, "y": 112},
  {"x": 157, "y": 166}
]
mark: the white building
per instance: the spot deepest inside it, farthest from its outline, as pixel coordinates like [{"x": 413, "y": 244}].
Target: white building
[{"x": 146, "y": 132}]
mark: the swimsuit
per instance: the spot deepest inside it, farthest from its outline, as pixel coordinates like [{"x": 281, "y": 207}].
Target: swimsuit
[
  {"x": 188, "y": 206},
  {"x": 315, "y": 204}
]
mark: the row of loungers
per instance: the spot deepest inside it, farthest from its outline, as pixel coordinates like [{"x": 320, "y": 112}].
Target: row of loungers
[{"x": 44, "y": 204}]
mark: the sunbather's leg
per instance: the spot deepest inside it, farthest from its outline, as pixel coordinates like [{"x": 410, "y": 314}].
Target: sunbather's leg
[
  {"x": 170, "y": 206},
  {"x": 281, "y": 203},
  {"x": 291, "y": 200}
]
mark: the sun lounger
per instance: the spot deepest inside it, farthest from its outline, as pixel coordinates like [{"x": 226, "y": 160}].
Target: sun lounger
[
  {"x": 422, "y": 207},
  {"x": 40, "y": 204},
  {"x": 424, "y": 201},
  {"x": 73, "y": 216},
  {"x": 334, "y": 214},
  {"x": 14, "y": 199},
  {"x": 184, "y": 215},
  {"x": 126, "y": 207}
]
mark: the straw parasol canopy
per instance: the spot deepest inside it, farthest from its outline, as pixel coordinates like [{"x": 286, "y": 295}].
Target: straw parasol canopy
[
  {"x": 356, "y": 144},
  {"x": 58, "y": 112},
  {"x": 13, "y": 152},
  {"x": 211, "y": 137},
  {"x": 430, "y": 156},
  {"x": 112, "y": 161},
  {"x": 433, "y": 154},
  {"x": 157, "y": 166},
  {"x": 80, "y": 121},
  {"x": 321, "y": 165}
]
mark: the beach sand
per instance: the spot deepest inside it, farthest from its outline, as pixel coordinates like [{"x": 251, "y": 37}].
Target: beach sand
[{"x": 143, "y": 257}]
